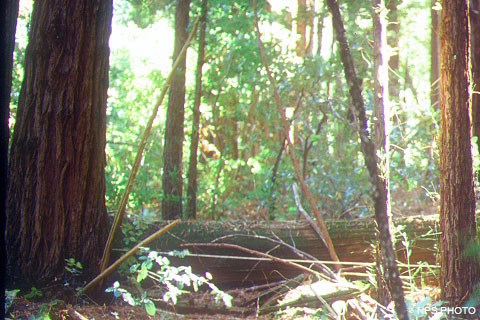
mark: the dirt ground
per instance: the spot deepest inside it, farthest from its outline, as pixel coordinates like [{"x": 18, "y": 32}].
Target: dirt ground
[{"x": 57, "y": 309}]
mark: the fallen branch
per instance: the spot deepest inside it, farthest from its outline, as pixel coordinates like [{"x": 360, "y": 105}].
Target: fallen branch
[
  {"x": 252, "y": 252},
  {"x": 278, "y": 291},
  {"x": 127, "y": 255},
  {"x": 321, "y": 224},
  {"x": 313, "y": 300},
  {"x": 308, "y": 257}
]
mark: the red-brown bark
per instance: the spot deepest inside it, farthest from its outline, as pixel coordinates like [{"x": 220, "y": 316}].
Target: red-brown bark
[
  {"x": 475, "y": 51},
  {"x": 174, "y": 134},
  {"x": 56, "y": 201},
  {"x": 457, "y": 207}
]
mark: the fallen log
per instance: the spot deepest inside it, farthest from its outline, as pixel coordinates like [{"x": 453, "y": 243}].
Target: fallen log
[{"x": 353, "y": 240}]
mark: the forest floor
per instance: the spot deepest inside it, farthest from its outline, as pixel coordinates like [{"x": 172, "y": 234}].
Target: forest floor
[
  {"x": 25, "y": 309},
  {"x": 321, "y": 299},
  {"x": 354, "y": 304}
]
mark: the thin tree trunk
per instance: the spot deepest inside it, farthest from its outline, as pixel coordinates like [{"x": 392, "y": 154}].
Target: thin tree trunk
[
  {"x": 174, "y": 134},
  {"x": 191, "y": 210},
  {"x": 320, "y": 25},
  {"x": 458, "y": 275},
  {"x": 435, "y": 57},
  {"x": 56, "y": 200},
  {"x": 381, "y": 126},
  {"x": 379, "y": 196},
  {"x": 393, "y": 38},
  {"x": 301, "y": 27},
  {"x": 9, "y": 12}
]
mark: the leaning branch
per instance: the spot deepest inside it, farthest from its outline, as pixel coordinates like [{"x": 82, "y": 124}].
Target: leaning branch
[
  {"x": 391, "y": 273},
  {"x": 298, "y": 172},
  {"x": 302, "y": 211},
  {"x": 123, "y": 204},
  {"x": 127, "y": 255}
]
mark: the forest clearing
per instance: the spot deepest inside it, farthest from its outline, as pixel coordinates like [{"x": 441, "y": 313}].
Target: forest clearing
[{"x": 221, "y": 159}]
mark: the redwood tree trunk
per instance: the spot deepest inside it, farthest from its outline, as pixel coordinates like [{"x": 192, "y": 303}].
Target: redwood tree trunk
[
  {"x": 56, "y": 202},
  {"x": 475, "y": 51},
  {"x": 9, "y": 12},
  {"x": 457, "y": 207},
  {"x": 173, "y": 144}
]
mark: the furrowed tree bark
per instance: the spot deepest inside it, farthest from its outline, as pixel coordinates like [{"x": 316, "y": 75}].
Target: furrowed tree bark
[
  {"x": 475, "y": 52},
  {"x": 9, "y": 12},
  {"x": 290, "y": 148},
  {"x": 174, "y": 134},
  {"x": 56, "y": 201},
  {"x": 458, "y": 275},
  {"x": 378, "y": 193},
  {"x": 191, "y": 210}
]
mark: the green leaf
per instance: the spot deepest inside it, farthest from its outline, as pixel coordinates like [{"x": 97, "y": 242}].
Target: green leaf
[
  {"x": 150, "y": 307},
  {"x": 142, "y": 274}
]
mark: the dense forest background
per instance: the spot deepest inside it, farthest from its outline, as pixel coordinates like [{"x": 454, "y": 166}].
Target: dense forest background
[
  {"x": 242, "y": 169},
  {"x": 268, "y": 94}
]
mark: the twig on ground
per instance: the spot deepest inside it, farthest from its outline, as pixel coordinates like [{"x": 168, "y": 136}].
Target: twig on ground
[
  {"x": 318, "y": 264},
  {"x": 252, "y": 252},
  {"x": 127, "y": 255}
]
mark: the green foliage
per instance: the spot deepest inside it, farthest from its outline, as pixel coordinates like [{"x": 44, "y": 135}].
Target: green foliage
[
  {"x": 73, "y": 266},
  {"x": 135, "y": 226},
  {"x": 144, "y": 12},
  {"x": 240, "y": 121},
  {"x": 173, "y": 281},
  {"x": 240, "y": 128},
  {"x": 33, "y": 294},
  {"x": 10, "y": 296},
  {"x": 130, "y": 103}
]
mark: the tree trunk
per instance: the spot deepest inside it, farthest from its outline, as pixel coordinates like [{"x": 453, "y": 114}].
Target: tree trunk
[
  {"x": 301, "y": 27},
  {"x": 173, "y": 144},
  {"x": 9, "y": 12},
  {"x": 391, "y": 273},
  {"x": 393, "y": 38},
  {"x": 457, "y": 205},
  {"x": 305, "y": 28},
  {"x": 191, "y": 211},
  {"x": 435, "y": 57},
  {"x": 475, "y": 51},
  {"x": 381, "y": 127},
  {"x": 56, "y": 202}
]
